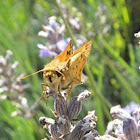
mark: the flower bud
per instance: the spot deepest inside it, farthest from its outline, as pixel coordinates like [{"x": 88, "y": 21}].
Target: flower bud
[
  {"x": 91, "y": 135},
  {"x": 75, "y": 105},
  {"x": 130, "y": 129},
  {"x": 63, "y": 124},
  {"x": 136, "y": 114},
  {"x": 55, "y": 134},
  {"x": 60, "y": 105},
  {"x": 45, "y": 120},
  {"x": 106, "y": 137},
  {"x": 118, "y": 113},
  {"x": 74, "y": 108},
  {"x": 77, "y": 133}
]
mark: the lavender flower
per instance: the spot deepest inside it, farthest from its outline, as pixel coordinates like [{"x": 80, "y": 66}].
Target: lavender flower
[
  {"x": 73, "y": 17},
  {"x": 11, "y": 87},
  {"x": 44, "y": 51},
  {"x": 54, "y": 33},
  {"x": 102, "y": 18},
  {"x": 9, "y": 81},
  {"x": 130, "y": 107},
  {"x": 61, "y": 44}
]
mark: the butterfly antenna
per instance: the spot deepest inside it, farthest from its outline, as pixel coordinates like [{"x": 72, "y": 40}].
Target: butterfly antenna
[
  {"x": 22, "y": 78},
  {"x": 40, "y": 98}
]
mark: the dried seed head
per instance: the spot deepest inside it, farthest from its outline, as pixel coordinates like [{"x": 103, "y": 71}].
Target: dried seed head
[
  {"x": 138, "y": 125},
  {"x": 89, "y": 121},
  {"x": 88, "y": 126},
  {"x": 84, "y": 125},
  {"x": 90, "y": 117},
  {"x": 75, "y": 105},
  {"x": 77, "y": 133},
  {"x": 45, "y": 120},
  {"x": 60, "y": 105},
  {"x": 91, "y": 135},
  {"x": 54, "y": 131},
  {"x": 63, "y": 124},
  {"x": 110, "y": 128},
  {"x": 74, "y": 108},
  {"x": 118, "y": 126},
  {"x": 136, "y": 114},
  {"x": 118, "y": 113},
  {"x": 106, "y": 137},
  {"x": 130, "y": 129},
  {"x": 84, "y": 95}
]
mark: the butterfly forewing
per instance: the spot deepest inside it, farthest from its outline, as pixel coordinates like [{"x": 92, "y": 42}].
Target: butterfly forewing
[
  {"x": 85, "y": 49},
  {"x": 65, "y": 55},
  {"x": 60, "y": 61}
]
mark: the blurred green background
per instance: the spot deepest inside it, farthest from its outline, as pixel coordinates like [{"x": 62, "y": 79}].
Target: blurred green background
[{"x": 112, "y": 68}]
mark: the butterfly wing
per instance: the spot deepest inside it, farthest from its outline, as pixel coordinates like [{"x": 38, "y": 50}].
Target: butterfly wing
[
  {"x": 60, "y": 61},
  {"x": 85, "y": 49},
  {"x": 65, "y": 55},
  {"x": 77, "y": 62}
]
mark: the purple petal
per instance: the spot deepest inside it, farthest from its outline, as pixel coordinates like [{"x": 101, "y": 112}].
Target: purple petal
[
  {"x": 43, "y": 33},
  {"x": 130, "y": 107},
  {"x": 62, "y": 44},
  {"x": 44, "y": 51},
  {"x": 56, "y": 24},
  {"x": 41, "y": 46},
  {"x": 53, "y": 25}
]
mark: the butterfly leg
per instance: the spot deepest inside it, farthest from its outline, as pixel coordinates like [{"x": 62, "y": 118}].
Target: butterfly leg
[
  {"x": 40, "y": 98},
  {"x": 59, "y": 88},
  {"x": 70, "y": 91},
  {"x": 44, "y": 88},
  {"x": 44, "y": 92}
]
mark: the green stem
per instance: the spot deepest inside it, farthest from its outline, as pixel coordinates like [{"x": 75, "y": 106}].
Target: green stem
[
  {"x": 119, "y": 59},
  {"x": 93, "y": 84},
  {"x": 118, "y": 75}
]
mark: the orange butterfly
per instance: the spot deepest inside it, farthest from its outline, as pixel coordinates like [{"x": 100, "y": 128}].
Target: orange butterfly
[{"x": 65, "y": 70}]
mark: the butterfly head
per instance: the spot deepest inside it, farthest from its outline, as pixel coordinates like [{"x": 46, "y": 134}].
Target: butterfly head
[{"x": 52, "y": 79}]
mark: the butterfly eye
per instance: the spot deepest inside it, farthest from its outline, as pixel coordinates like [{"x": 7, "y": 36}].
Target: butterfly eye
[
  {"x": 58, "y": 74},
  {"x": 50, "y": 78}
]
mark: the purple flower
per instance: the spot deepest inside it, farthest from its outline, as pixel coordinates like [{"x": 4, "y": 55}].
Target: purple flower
[
  {"x": 61, "y": 44},
  {"x": 44, "y": 51},
  {"x": 52, "y": 31},
  {"x": 130, "y": 107}
]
